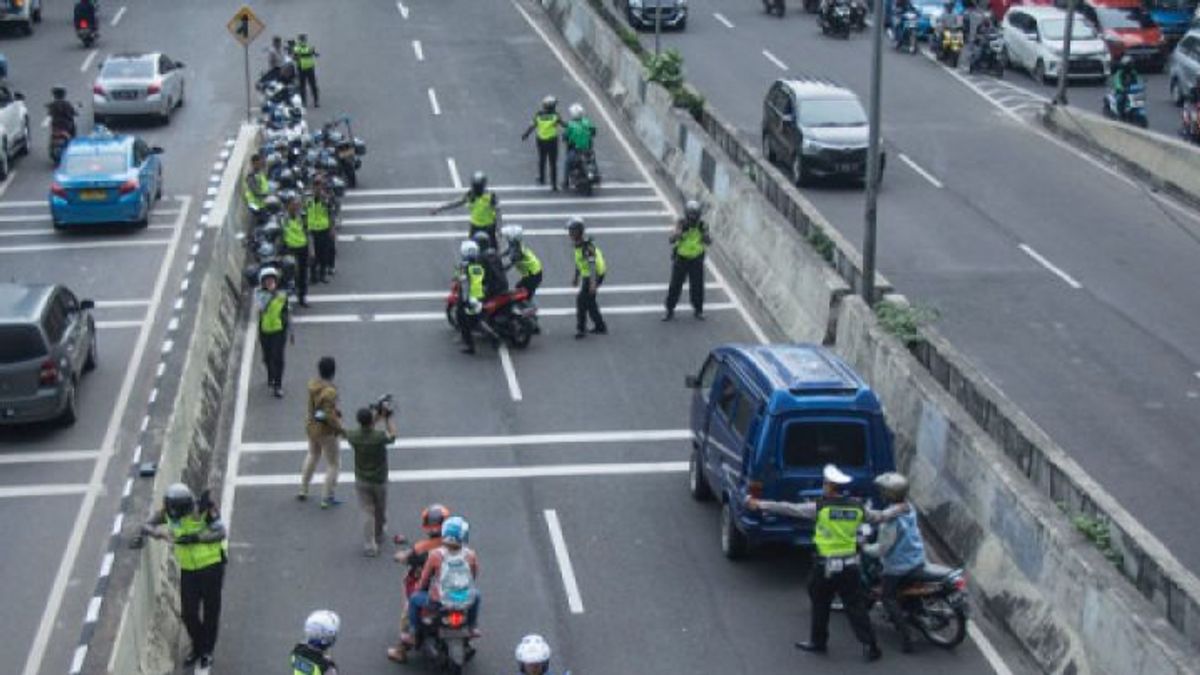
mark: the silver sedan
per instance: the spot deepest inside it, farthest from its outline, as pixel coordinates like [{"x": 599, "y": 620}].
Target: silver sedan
[{"x": 137, "y": 84}]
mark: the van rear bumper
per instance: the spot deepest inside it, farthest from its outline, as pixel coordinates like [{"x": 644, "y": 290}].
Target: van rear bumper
[{"x": 758, "y": 531}]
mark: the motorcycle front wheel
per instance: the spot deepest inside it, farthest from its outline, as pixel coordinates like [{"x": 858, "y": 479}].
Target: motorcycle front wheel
[
  {"x": 942, "y": 624},
  {"x": 521, "y": 332}
]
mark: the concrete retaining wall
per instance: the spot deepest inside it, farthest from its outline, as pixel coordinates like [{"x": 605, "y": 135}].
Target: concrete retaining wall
[{"x": 151, "y": 637}]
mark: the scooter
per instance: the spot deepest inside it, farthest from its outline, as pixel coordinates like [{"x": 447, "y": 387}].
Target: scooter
[
  {"x": 988, "y": 55},
  {"x": 86, "y": 33},
  {"x": 444, "y": 638},
  {"x": 775, "y": 7},
  {"x": 908, "y": 26},
  {"x": 510, "y": 315},
  {"x": 835, "y": 20},
  {"x": 949, "y": 48},
  {"x": 1135, "y": 105}
]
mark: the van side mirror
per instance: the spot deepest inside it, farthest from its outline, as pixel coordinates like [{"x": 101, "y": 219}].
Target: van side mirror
[
  {"x": 87, "y": 304},
  {"x": 691, "y": 381},
  {"x": 19, "y": 96},
  {"x": 156, "y": 150}
]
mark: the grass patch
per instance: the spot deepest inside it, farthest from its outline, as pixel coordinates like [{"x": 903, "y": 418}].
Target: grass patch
[
  {"x": 904, "y": 321},
  {"x": 1096, "y": 530},
  {"x": 822, "y": 243}
]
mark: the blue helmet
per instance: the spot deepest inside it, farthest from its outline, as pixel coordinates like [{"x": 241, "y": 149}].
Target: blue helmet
[{"x": 455, "y": 530}]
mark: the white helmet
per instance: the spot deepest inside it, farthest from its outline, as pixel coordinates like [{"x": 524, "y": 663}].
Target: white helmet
[
  {"x": 469, "y": 250},
  {"x": 576, "y": 111},
  {"x": 455, "y": 530},
  {"x": 321, "y": 629},
  {"x": 512, "y": 232},
  {"x": 267, "y": 272},
  {"x": 532, "y": 650}
]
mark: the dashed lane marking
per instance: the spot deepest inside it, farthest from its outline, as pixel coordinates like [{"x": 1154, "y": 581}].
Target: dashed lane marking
[
  {"x": 117, "y": 17},
  {"x": 510, "y": 373},
  {"x": 435, "y": 442},
  {"x": 433, "y": 102},
  {"x": 565, "y": 569},
  {"x": 403, "y": 10},
  {"x": 486, "y": 473},
  {"x": 455, "y": 179},
  {"x": 420, "y": 53},
  {"x": 545, "y": 312},
  {"x": 774, "y": 59},
  {"x": 923, "y": 173},
  {"x": 721, "y": 18},
  {"x": 87, "y": 61},
  {"x": 1054, "y": 269}
]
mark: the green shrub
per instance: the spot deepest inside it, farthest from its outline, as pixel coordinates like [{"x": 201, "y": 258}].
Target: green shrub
[
  {"x": 904, "y": 321},
  {"x": 821, "y": 242},
  {"x": 666, "y": 69}
]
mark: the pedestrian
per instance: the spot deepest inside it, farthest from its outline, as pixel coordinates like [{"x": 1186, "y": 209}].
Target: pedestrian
[
  {"x": 546, "y": 122},
  {"x": 323, "y": 426},
  {"x": 311, "y": 657},
  {"x": 589, "y": 274},
  {"x": 197, "y": 536},
  {"x": 483, "y": 205},
  {"x": 306, "y": 61},
  {"x": 295, "y": 238},
  {"x": 371, "y": 470},
  {"x": 836, "y": 567},
  {"x": 318, "y": 213},
  {"x": 274, "y": 326},
  {"x": 689, "y": 241}
]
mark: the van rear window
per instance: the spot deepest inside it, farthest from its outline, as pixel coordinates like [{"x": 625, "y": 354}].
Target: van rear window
[
  {"x": 816, "y": 443},
  {"x": 20, "y": 343}
]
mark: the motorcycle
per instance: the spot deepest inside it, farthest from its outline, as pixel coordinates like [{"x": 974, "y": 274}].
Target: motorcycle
[
  {"x": 775, "y": 7},
  {"x": 59, "y": 138},
  {"x": 988, "y": 55},
  {"x": 949, "y": 48},
  {"x": 933, "y": 600},
  {"x": 908, "y": 26},
  {"x": 585, "y": 173},
  {"x": 858, "y": 15},
  {"x": 444, "y": 638},
  {"x": 510, "y": 315},
  {"x": 1135, "y": 104},
  {"x": 1189, "y": 118},
  {"x": 86, "y": 33},
  {"x": 835, "y": 20}
]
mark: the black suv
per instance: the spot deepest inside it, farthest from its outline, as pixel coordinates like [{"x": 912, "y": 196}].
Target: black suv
[{"x": 815, "y": 128}]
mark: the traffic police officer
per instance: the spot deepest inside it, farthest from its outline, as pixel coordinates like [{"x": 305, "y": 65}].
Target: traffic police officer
[
  {"x": 687, "y": 260},
  {"x": 483, "y": 205},
  {"x": 471, "y": 279},
  {"x": 295, "y": 238},
  {"x": 318, "y": 212},
  {"x": 311, "y": 657},
  {"x": 589, "y": 274},
  {"x": 273, "y": 326},
  {"x": 546, "y": 123},
  {"x": 256, "y": 185},
  {"x": 836, "y": 572},
  {"x": 523, "y": 259},
  {"x": 198, "y": 537},
  {"x": 306, "y": 62}
]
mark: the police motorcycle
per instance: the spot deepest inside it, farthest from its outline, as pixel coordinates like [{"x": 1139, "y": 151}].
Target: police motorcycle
[
  {"x": 835, "y": 18},
  {"x": 948, "y": 45},
  {"x": 776, "y": 7},
  {"x": 338, "y": 137},
  {"x": 905, "y": 29},
  {"x": 509, "y": 316}
]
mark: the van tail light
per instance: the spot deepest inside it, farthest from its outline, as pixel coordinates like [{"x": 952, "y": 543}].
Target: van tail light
[
  {"x": 98, "y": 90},
  {"x": 48, "y": 375},
  {"x": 128, "y": 186},
  {"x": 755, "y": 489},
  {"x": 58, "y": 190},
  {"x": 154, "y": 88}
]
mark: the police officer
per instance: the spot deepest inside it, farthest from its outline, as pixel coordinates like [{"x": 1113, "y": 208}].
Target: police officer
[
  {"x": 306, "y": 62},
  {"x": 256, "y": 185},
  {"x": 523, "y": 259},
  {"x": 318, "y": 213},
  {"x": 589, "y": 274},
  {"x": 311, "y": 657},
  {"x": 273, "y": 326},
  {"x": 471, "y": 280},
  {"x": 198, "y": 537},
  {"x": 295, "y": 238},
  {"x": 495, "y": 280},
  {"x": 687, "y": 260},
  {"x": 836, "y": 570},
  {"x": 546, "y": 123},
  {"x": 483, "y": 205}
]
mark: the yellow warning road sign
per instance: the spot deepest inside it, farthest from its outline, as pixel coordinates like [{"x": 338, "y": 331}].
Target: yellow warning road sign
[{"x": 245, "y": 26}]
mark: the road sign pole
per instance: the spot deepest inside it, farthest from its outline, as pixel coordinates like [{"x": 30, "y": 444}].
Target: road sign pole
[
  {"x": 873, "y": 157},
  {"x": 246, "y": 58}
]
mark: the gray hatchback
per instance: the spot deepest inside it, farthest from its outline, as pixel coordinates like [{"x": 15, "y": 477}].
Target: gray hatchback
[{"x": 47, "y": 342}]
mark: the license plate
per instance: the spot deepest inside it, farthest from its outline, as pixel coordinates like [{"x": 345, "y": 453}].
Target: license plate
[
  {"x": 93, "y": 195},
  {"x": 125, "y": 95},
  {"x": 453, "y": 633},
  {"x": 847, "y": 168}
]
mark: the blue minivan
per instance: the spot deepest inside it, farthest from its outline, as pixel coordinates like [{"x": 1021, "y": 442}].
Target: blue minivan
[{"x": 766, "y": 419}]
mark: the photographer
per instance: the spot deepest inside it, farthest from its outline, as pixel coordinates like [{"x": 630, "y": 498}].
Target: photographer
[{"x": 371, "y": 469}]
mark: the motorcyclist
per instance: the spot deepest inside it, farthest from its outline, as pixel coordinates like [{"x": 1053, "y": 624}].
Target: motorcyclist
[
  {"x": 414, "y": 559},
  {"x": 452, "y": 556},
  {"x": 578, "y": 136},
  {"x": 948, "y": 20},
  {"x": 495, "y": 281},
  {"x": 1124, "y": 77},
  {"x": 982, "y": 40},
  {"x": 896, "y": 21},
  {"x": 523, "y": 259},
  {"x": 62, "y": 112},
  {"x": 899, "y": 548},
  {"x": 311, "y": 657},
  {"x": 533, "y": 655},
  {"x": 85, "y": 10},
  {"x": 471, "y": 276},
  {"x": 827, "y": 8}
]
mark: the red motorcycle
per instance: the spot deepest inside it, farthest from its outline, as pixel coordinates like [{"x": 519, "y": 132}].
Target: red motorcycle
[{"x": 510, "y": 315}]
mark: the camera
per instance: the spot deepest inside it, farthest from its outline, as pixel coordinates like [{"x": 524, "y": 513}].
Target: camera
[{"x": 382, "y": 407}]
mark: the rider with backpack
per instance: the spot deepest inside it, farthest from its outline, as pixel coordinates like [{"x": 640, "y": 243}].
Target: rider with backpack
[{"x": 448, "y": 579}]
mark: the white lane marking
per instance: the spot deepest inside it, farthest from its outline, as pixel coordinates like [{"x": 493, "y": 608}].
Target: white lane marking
[
  {"x": 748, "y": 318},
  {"x": 418, "y": 51},
  {"x": 924, "y": 174},
  {"x": 43, "y": 232},
  {"x": 8, "y": 181},
  {"x": 239, "y": 424},
  {"x": 153, "y": 396},
  {"x": 84, "y": 245},
  {"x": 14, "y": 491},
  {"x": 117, "y": 523},
  {"x": 45, "y": 217},
  {"x": 77, "y": 661},
  {"x": 124, "y": 323},
  {"x": 48, "y": 456},
  {"x": 439, "y": 295},
  {"x": 574, "y": 600},
  {"x": 433, "y": 102},
  {"x": 988, "y": 650},
  {"x": 128, "y": 489},
  {"x": 436, "y": 442},
  {"x": 107, "y": 564},
  {"x": 774, "y": 59},
  {"x": 41, "y": 640},
  {"x": 173, "y": 324},
  {"x": 1054, "y": 269},
  {"x": 510, "y": 373},
  {"x": 117, "y": 17},
  {"x": 87, "y": 61},
  {"x": 167, "y": 346},
  {"x": 162, "y": 368},
  {"x": 403, "y": 10},
  {"x": 398, "y": 206},
  {"x": 113, "y": 304},
  {"x": 45, "y": 122},
  {"x": 351, "y": 195},
  {"x": 486, "y": 473},
  {"x": 1197, "y": 373},
  {"x": 457, "y": 234},
  {"x": 455, "y": 178},
  {"x": 721, "y": 17},
  {"x": 557, "y": 312},
  {"x": 93, "y": 609},
  {"x": 511, "y": 217}
]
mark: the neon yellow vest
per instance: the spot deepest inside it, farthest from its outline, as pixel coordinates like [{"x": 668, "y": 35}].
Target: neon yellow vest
[
  {"x": 271, "y": 320},
  {"x": 304, "y": 56},
  {"x": 581, "y": 261},
  {"x": 547, "y": 126},
  {"x": 691, "y": 243},
  {"x": 318, "y": 215},
  {"x": 529, "y": 264},
  {"x": 483, "y": 213},
  {"x": 257, "y": 187},
  {"x": 836, "y": 533},
  {"x": 294, "y": 235},
  {"x": 475, "y": 280},
  {"x": 192, "y": 557}
]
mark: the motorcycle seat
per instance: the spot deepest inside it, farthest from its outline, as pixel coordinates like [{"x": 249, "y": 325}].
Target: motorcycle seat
[{"x": 931, "y": 572}]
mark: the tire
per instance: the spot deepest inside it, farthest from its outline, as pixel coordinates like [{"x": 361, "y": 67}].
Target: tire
[
  {"x": 936, "y": 616},
  {"x": 27, "y": 140},
  {"x": 451, "y": 316},
  {"x": 1176, "y": 93},
  {"x": 4, "y": 167},
  {"x": 97, "y": 120},
  {"x": 179, "y": 103},
  {"x": 1039, "y": 72},
  {"x": 37, "y": 15},
  {"x": 70, "y": 411},
  {"x": 144, "y": 222},
  {"x": 1142, "y": 122},
  {"x": 733, "y": 542},
  {"x": 766, "y": 148},
  {"x": 954, "y": 61},
  {"x": 798, "y": 175},
  {"x": 683, "y": 25},
  {"x": 164, "y": 117},
  {"x": 522, "y": 333},
  {"x": 586, "y": 188},
  {"x": 697, "y": 483},
  {"x": 27, "y": 27},
  {"x": 456, "y": 656}
]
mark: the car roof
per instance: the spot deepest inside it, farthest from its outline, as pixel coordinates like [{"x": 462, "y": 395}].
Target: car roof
[
  {"x": 132, "y": 56},
  {"x": 1115, "y": 4},
  {"x": 801, "y": 376},
  {"x": 813, "y": 88},
  {"x": 21, "y": 303},
  {"x": 1040, "y": 12},
  {"x": 99, "y": 142}
]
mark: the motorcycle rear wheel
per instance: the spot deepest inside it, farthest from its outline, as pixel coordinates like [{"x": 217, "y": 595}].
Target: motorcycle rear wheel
[
  {"x": 456, "y": 656},
  {"x": 451, "y": 316},
  {"x": 943, "y": 625}
]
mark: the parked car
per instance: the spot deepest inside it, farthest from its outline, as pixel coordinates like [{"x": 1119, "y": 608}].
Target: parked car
[
  {"x": 23, "y": 13},
  {"x": 1034, "y": 37},
  {"x": 1127, "y": 29},
  {"x": 1184, "y": 66},
  {"x": 14, "y": 128},
  {"x": 641, "y": 13},
  {"x": 106, "y": 178},
  {"x": 47, "y": 342},
  {"x": 765, "y": 420},
  {"x": 137, "y": 84},
  {"x": 1000, "y": 7},
  {"x": 1172, "y": 16},
  {"x": 815, "y": 128}
]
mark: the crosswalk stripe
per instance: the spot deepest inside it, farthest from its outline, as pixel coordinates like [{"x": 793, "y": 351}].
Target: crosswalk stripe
[
  {"x": 393, "y": 206},
  {"x": 508, "y": 217},
  {"x": 481, "y": 473},
  {"x": 544, "y": 312},
  {"x": 402, "y": 192},
  {"x": 439, "y": 295},
  {"x": 456, "y": 234}
]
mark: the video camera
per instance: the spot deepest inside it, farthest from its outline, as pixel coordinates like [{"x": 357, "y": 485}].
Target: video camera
[{"x": 383, "y": 406}]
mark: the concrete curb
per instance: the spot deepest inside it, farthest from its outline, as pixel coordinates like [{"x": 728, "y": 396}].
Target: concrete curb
[{"x": 151, "y": 637}]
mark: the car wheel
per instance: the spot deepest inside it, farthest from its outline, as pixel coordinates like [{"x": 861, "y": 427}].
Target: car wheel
[
  {"x": 766, "y": 148},
  {"x": 1039, "y": 72},
  {"x": 733, "y": 542},
  {"x": 683, "y": 24},
  {"x": 4, "y": 160},
  {"x": 70, "y": 411},
  {"x": 90, "y": 364},
  {"x": 633, "y": 23},
  {"x": 26, "y": 138},
  {"x": 27, "y": 27},
  {"x": 1176, "y": 93},
  {"x": 164, "y": 117},
  {"x": 97, "y": 120},
  {"x": 37, "y": 14},
  {"x": 798, "y": 175},
  {"x": 179, "y": 103},
  {"x": 144, "y": 221},
  {"x": 697, "y": 483}
]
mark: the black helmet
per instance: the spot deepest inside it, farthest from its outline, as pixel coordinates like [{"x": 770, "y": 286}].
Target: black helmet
[
  {"x": 178, "y": 501},
  {"x": 59, "y": 92},
  {"x": 691, "y": 210},
  {"x": 272, "y": 204},
  {"x": 478, "y": 182},
  {"x": 287, "y": 179},
  {"x": 575, "y": 225}
]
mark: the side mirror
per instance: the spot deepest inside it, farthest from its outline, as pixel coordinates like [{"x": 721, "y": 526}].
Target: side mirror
[
  {"x": 19, "y": 96},
  {"x": 179, "y": 64},
  {"x": 87, "y": 304},
  {"x": 156, "y": 150},
  {"x": 691, "y": 382}
]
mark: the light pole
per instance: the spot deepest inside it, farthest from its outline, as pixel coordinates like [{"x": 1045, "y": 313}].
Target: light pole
[
  {"x": 1060, "y": 97},
  {"x": 657, "y": 24},
  {"x": 868, "y": 267}
]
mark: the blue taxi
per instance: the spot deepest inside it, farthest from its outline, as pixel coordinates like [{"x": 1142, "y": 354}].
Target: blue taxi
[{"x": 106, "y": 178}]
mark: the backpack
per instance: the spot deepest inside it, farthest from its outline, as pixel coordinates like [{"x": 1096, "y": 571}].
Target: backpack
[{"x": 455, "y": 580}]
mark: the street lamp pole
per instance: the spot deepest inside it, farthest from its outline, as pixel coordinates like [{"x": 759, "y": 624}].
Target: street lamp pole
[
  {"x": 873, "y": 156},
  {"x": 657, "y": 24},
  {"x": 1060, "y": 97}
]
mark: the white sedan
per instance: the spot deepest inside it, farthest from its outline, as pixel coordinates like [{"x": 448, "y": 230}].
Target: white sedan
[{"x": 137, "y": 84}]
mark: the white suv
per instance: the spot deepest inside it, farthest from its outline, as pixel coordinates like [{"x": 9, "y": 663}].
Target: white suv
[
  {"x": 1033, "y": 40},
  {"x": 14, "y": 127}
]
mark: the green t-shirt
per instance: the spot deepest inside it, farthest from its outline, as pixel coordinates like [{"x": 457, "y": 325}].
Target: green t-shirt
[
  {"x": 580, "y": 133},
  {"x": 370, "y": 454}
]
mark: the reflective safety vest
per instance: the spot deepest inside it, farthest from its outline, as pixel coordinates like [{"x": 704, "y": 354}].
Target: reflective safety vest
[
  {"x": 529, "y": 264},
  {"x": 483, "y": 210},
  {"x": 257, "y": 187},
  {"x": 305, "y": 56},
  {"x": 581, "y": 262},
  {"x": 270, "y": 321},
  {"x": 475, "y": 276},
  {"x": 836, "y": 533},
  {"x": 294, "y": 235},
  {"x": 547, "y": 126},
  {"x": 690, "y": 244},
  {"x": 318, "y": 215},
  {"x": 309, "y": 661},
  {"x": 192, "y": 557}
]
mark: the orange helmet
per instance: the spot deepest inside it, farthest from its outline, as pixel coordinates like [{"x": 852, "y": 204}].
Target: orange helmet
[{"x": 432, "y": 518}]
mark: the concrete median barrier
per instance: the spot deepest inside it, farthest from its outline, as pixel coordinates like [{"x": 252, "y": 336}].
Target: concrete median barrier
[{"x": 151, "y": 637}]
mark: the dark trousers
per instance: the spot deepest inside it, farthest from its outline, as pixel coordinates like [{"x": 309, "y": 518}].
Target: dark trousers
[
  {"x": 692, "y": 270},
  {"x": 548, "y": 154},
  {"x": 200, "y": 605},
  {"x": 530, "y": 283},
  {"x": 273, "y": 345},
  {"x": 891, "y": 602},
  {"x": 848, "y": 585},
  {"x": 466, "y": 325},
  {"x": 308, "y": 78},
  {"x": 301, "y": 256},
  {"x": 585, "y": 306},
  {"x": 322, "y": 254}
]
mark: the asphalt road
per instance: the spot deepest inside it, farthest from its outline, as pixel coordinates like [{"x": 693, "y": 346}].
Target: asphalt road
[
  {"x": 567, "y": 450},
  {"x": 1056, "y": 276},
  {"x": 60, "y": 488}
]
